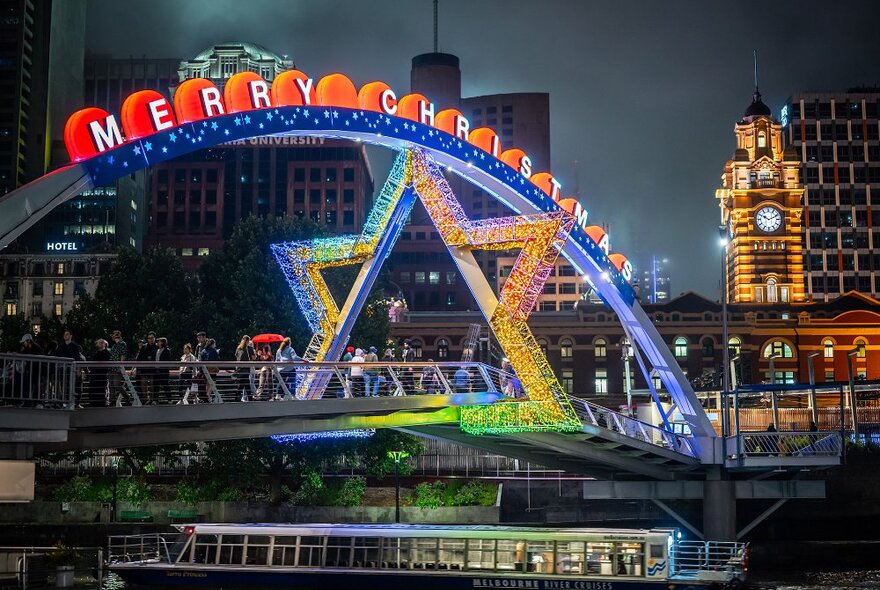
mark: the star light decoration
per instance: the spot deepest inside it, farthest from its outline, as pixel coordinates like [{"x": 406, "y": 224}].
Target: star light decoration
[{"x": 302, "y": 263}]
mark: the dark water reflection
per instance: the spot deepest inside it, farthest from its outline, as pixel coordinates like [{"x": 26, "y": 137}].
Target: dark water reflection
[{"x": 862, "y": 579}]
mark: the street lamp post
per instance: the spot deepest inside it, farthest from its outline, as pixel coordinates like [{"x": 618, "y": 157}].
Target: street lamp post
[
  {"x": 773, "y": 401},
  {"x": 725, "y": 345},
  {"x": 852, "y": 392},
  {"x": 627, "y": 385},
  {"x": 397, "y": 457},
  {"x": 814, "y": 412}
]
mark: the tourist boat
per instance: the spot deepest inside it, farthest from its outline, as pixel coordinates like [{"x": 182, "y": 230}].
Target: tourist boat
[{"x": 425, "y": 557}]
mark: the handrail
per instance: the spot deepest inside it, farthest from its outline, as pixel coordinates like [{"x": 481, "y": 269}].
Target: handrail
[
  {"x": 693, "y": 557},
  {"x": 784, "y": 444}
]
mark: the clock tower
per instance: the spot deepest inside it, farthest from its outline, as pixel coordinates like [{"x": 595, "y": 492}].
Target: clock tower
[{"x": 761, "y": 201}]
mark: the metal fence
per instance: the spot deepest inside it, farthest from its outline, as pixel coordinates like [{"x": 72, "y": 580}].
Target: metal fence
[
  {"x": 33, "y": 567},
  {"x": 594, "y": 414},
  {"x": 148, "y": 548},
  {"x": 785, "y": 444},
  {"x": 53, "y": 382},
  {"x": 690, "y": 558}
]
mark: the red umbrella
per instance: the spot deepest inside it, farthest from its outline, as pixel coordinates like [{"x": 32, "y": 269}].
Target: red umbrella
[{"x": 267, "y": 338}]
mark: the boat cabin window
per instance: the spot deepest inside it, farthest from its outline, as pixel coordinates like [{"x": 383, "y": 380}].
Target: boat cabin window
[
  {"x": 205, "y": 549},
  {"x": 539, "y": 557},
  {"x": 423, "y": 553},
  {"x": 481, "y": 554},
  {"x": 338, "y": 551},
  {"x": 657, "y": 551},
  {"x": 395, "y": 553},
  {"x": 366, "y": 552},
  {"x": 310, "y": 551},
  {"x": 451, "y": 554},
  {"x": 231, "y": 549},
  {"x": 570, "y": 557},
  {"x": 284, "y": 551},
  {"x": 257, "y": 550}
]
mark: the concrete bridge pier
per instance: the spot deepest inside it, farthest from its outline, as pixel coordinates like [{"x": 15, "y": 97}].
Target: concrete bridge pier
[{"x": 719, "y": 506}]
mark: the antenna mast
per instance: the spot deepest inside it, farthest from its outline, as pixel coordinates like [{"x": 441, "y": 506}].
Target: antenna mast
[
  {"x": 435, "y": 26},
  {"x": 754, "y": 54}
]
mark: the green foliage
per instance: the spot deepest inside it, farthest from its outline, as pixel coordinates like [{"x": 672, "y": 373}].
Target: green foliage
[
  {"x": 75, "y": 489},
  {"x": 311, "y": 490},
  {"x": 475, "y": 493},
  {"x": 372, "y": 327},
  {"x": 189, "y": 493},
  {"x": 12, "y": 328},
  {"x": 351, "y": 492},
  {"x": 374, "y": 452},
  {"x": 62, "y": 555},
  {"x": 862, "y": 453},
  {"x": 133, "y": 491},
  {"x": 242, "y": 289},
  {"x": 430, "y": 494},
  {"x": 140, "y": 460},
  {"x": 137, "y": 285}
]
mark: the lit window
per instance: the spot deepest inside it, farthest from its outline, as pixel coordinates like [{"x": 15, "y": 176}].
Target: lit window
[
  {"x": 450, "y": 277},
  {"x": 59, "y": 288},
  {"x": 861, "y": 343},
  {"x": 59, "y": 310},
  {"x": 565, "y": 348},
  {"x": 829, "y": 375},
  {"x": 762, "y": 139},
  {"x": 443, "y": 349},
  {"x": 828, "y": 345},
  {"x": 783, "y": 295},
  {"x": 600, "y": 348},
  {"x": 60, "y": 269},
  {"x": 433, "y": 278},
  {"x": 405, "y": 277},
  {"x": 568, "y": 381},
  {"x": 734, "y": 346},
  {"x": 542, "y": 344},
  {"x": 420, "y": 278},
  {"x": 204, "y": 251},
  {"x": 778, "y": 348},
  {"x": 601, "y": 381},
  {"x": 656, "y": 382},
  {"x": 771, "y": 291},
  {"x": 11, "y": 309},
  {"x": 681, "y": 347}
]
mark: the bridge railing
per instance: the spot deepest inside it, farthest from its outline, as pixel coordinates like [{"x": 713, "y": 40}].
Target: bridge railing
[
  {"x": 39, "y": 381},
  {"x": 784, "y": 444},
  {"x": 597, "y": 415}
]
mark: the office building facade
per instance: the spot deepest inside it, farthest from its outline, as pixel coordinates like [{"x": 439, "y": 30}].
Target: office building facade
[{"x": 836, "y": 138}]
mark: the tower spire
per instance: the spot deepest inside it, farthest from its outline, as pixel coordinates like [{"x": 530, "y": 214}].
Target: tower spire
[
  {"x": 754, "y": 55},
  {"x": 435, "y": 26}
]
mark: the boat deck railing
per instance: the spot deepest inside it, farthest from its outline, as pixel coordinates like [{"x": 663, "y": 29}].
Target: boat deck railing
[
  {"x": 702, "y": 559},
  {"x": 146, "y": 548}
]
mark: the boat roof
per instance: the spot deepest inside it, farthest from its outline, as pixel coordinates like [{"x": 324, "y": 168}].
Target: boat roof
[{"x": 418, "y": 530}]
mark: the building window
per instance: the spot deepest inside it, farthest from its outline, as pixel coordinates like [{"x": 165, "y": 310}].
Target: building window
[
  {"x": 416, "y": 345},
  {"x": 443, "y": 349},
  {"x": 829, "y": 375},
  {"x": 778, "y": 348},
  {"x": 762, "y": 139},
  {"x": 783, "y": 294},
  {"x": 681, "y": 347},
  {"x": 734, "y": 346},
  {"x": 828, "y": 346},
  {"x": 565, "y": 348},
  {"x": 450, "y": 277},
  {"x": 708, "y": 347},
  {"x": 59, "y": 288},
  {"x": 11, "y": 309},
  {"x": 600, "y": 348},
  {"x": 59, "y": 310},
  {"x": 60, "y": 269},
  {"x": 861, "y": 344},
  {"x": 771, "y": 291},
  {"x": 656, "y": 382},
  {"x": 434, "y": 278},
  {"x": 542, "y": 344},
  {"x": 783, "y": 377},
  {"x": 568, "y": 381},
  {"x": 405, "y": 277},
  {"x": 420, "y": 278},
  {"x": 601, "y": 381}
]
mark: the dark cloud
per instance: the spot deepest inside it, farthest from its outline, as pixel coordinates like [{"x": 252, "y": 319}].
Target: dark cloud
[{"x": 644, "y": 94}]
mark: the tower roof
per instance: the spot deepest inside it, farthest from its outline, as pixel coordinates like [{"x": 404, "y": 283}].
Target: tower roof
[{"x": 757, "y": 108}]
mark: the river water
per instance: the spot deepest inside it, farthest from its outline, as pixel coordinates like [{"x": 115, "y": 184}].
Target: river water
[{"x": 864, "y": 579}]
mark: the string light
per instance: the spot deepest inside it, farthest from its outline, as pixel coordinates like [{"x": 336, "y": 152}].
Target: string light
[{"x": 330, "y": 434}]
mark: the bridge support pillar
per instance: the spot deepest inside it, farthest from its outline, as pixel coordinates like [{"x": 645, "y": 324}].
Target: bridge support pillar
[{"x": 719, "y": 507}]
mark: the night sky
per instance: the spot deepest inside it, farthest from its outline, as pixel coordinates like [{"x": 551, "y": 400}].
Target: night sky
[{"x": 644, "y": 94}]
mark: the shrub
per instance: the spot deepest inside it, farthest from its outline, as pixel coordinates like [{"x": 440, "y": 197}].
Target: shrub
[
  {"x": 189, "y": 494},
  {"x": 134, "y": 492},
  {"x": 76, "y": 489},
  {"x": 351, "y": 492},
  {"x": 310, "y": 490},
  {"x": 430, "y": 494},
  {"x": 475, "y": 493},
  {"x": 62, "y": 555}
]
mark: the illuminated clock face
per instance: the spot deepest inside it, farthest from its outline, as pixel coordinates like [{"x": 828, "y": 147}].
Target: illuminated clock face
[{"x": 768, "y": 219}]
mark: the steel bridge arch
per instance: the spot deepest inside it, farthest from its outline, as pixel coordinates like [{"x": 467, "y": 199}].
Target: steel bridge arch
[{"x": 22, "y": 208}]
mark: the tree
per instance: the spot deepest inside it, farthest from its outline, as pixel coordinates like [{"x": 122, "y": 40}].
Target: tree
[
  {"x": 372, "y": 327},
  {"x": 136, "y": 286},
  {"x": 141, "y": 460},
  {"x": 242, "y": 289},
  {"x": 374, "y": 451},
  {"x": 12, "y": 328}
]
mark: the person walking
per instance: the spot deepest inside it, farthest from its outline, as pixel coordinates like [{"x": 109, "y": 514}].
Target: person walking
[
  {"x": 163, "y": 374},
  {"x": 371, "y": 374},
  {"x": 287, "y": 355},
  {"x": 98, "y": 376},
  {"x": 244, "y": 353},
  {"x": 357, "y": 374},
  {"x": 187, "y": 373},
  {"x": 209, "y": 356},
  {"x": 118, "y": 354}
]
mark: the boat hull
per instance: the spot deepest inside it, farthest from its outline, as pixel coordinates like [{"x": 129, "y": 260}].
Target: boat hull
[{"x": 295, "y": 579}]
